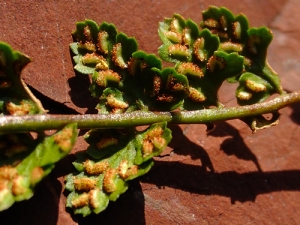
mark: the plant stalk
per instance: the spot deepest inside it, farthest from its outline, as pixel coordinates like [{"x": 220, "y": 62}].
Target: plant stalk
[{"x": 103, "y": 121}]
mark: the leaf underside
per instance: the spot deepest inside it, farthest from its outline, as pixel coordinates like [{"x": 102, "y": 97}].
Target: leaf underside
[
  {"x": 25, "y": 159},
  {"x": 113, "y": 158},
  {"x": 126, "y": 79}
]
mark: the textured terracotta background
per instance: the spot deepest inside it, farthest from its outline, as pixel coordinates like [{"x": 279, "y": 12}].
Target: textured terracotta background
[{"x": 229, "y": 176}]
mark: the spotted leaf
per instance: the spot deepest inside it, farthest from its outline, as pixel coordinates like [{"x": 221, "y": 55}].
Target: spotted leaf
[{"x": 104, "y": 172}]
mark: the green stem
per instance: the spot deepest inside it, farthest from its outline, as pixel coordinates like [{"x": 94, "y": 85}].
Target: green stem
[
  {"x": 229, "y": 113},
  {"x": 104, "y": 121}
]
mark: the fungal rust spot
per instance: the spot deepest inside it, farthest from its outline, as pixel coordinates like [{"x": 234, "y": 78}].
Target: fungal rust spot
[
  {"x": 222, "y": 34},
  {"x": 255, "y": 86},
  {"x": 175, "y": 26},
  {"x": 109, "y": 180},
  {"x": 178, "y": 50},
  {"x": 36, "y": 175},
  {"x": 18, "y": 186},
  {"x": 174, "y": 37},
  {"x": 93, "y": 168},
  {"x": 104, "y": 75},
  {"x": 223, "y": 22},
  {"x": 165, "y": 98},
  {"x": 243, "y": 95},
  {"x": 18, "y": 110},
  {"x": 215, "y": 61},
  {"x": 132, "y": 171},
  {"x": 125, "y": 171},
  {"x": 190, "y": 69},
  {"x": 63, "y": 139},
  {"x": 186, "y": 36},
  {"x": 102, "y": 42},
  {"x": 93, "y": 198},
  {"x": 90, "y": 46},
  {"x": 147, "y": 148},
  {"x": 231, "y": 47},
  {"x": 87, "y": 33},
  {"x": 153, "y": 140},
  {"x": 237, "y": 30},
  {"x": 198, "y": 49},
  {"x": 196, "y": 95},
  {"x": 106, "y": 142},
  {"x": 84, "y": 183},
  {"x": 252, "y": 42},
  {"x": 94, "y": 58},
  {"x": 212, "y": 23},
  {"x": 81, "y": 201},
  {"x": 116, "y": 103},
  {"x": 156, "y": 85},
  {"x": 8, "y": 172},
  {"x": 117, "y": 56}
]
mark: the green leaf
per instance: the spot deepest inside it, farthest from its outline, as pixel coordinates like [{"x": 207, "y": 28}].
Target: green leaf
[
  {"x": 142, "y": 86},
  {"x": 35, "y": 159},
  {"x": 178, "y": 36},
  {"x": 24, "y": 160},
  {"x": 143, "y": 62},
  {"x": 106, "y": 142},
  {"x": 15, "y": 98},
  {"x": 125, "y": 80},
  {"x": 113, "y": 101},
  {"x": 204, "y": 89},
  {"x": 207, "y": 65},
  {"x": 106, "y": 55},
  {"x": 225, "y": 25},
  {"x": 103, "y": 177},
  {"x": 86, "y": 31},
  {"x": 168, "y": 90},
  {"x": 253, "y": 89},
  {"x": 100, "y": 47},
  {"x": 251, "y": 43},
  {"x": 129, "y": 46},
  {"x": 151, "y": 142}
]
